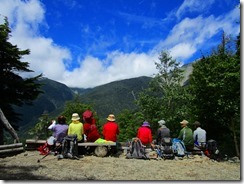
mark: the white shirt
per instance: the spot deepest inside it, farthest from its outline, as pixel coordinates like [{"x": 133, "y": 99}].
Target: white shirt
[{"x": 201, "y": 135}]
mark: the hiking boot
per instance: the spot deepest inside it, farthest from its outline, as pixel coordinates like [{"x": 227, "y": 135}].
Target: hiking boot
[
  {"x": 69, "y": 155},
  {"x": 60, "y": 157},
  {"x": 75, "y": 157}
]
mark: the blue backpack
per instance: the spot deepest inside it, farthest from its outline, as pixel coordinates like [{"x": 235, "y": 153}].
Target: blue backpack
[{"x": 178, "y": 147}]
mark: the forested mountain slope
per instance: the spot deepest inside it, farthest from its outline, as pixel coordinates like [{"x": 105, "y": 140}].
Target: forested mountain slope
[
  {"x": 105, "y": 99},
  {"x": 115, "y": 96}
]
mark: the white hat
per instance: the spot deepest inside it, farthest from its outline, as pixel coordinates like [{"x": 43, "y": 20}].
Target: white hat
[
  {"x": 161, "y": 122},
  {"x": 111, "y": 117},
  {"x": 75, "y": 117}
]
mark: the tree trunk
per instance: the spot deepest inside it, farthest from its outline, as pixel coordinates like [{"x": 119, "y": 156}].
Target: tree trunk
[
  {"x": 234, "y": 137},
  {"x": 8, "y": 126},
  {"x": 1, "y": 134}
]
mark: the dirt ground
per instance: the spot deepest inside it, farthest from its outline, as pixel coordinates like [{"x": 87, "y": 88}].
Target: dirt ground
[{"x": 24, "y": 166}]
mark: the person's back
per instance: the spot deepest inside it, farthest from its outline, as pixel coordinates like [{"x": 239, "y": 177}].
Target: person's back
[
  {"x": 110, "y": 129},
  {"x": 186, "y": 135},
  {"x": 60, "y": 130},
  {"x": 162, "y": 132},
  {"x": 90, "y": 128},
  {"x": 91, "y": 131},
  {"x": 144, "y": 133},
  {"x": 199, "y": 135},
  {"x": 76, "y": 127}
]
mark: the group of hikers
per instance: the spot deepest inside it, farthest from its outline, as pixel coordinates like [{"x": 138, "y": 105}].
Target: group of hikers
[
  {"x": 85, "y": 130},
  {"x": 82, "y": 130}
]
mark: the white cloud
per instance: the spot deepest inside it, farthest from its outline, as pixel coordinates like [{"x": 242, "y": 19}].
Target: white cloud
[
  {"x": 191, "y": 35},
  {"x": 185, "y": 38},
  {"x": 93, "y": 72},
  {"x": 25, "y": 18},
  {"x": 193, "y": 6},
  {"x": 182, "y": 50}
]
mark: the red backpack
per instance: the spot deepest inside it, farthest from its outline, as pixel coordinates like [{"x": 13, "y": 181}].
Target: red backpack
[{"x": 44, "y": 149}]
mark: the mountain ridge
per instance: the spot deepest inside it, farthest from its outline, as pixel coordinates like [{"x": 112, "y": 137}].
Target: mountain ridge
[{"x": 112, "y": 97}]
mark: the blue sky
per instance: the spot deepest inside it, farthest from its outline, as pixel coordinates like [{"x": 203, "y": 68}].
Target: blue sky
[{"x": 86, "y": 43}]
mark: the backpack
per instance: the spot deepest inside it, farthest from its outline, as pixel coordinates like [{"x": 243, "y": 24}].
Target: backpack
[
  {"x": 212, "y": 150},
  {"x": 47, "y": 147},
  {"x": 136, "y": 150},
  {"x": 162, "y": 132},
  {"x": 44, "y": 149},
  {"x": 70, "y": 147},
  {"x": 166, "y": 150},
  {"x": 178, "y": 147}
]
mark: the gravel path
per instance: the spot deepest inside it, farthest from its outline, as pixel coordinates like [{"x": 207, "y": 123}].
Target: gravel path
[{"x": 24, "y": 166}]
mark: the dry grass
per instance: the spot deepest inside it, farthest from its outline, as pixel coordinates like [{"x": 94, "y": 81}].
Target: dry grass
[{"x": 24, "y": 166}]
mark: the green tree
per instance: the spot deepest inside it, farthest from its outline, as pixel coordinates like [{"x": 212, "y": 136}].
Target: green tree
[
  {"x": 129, "y": 122},
  {"x": 215, "y": 87},
  {"x": 40, "y": 130},
  {"x": 75, "y": 106},
  {"x": 14, "y": 89},
  {"x": 166, "y": 98}
]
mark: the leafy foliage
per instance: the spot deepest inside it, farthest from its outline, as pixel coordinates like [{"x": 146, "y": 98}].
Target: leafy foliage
[
  {"x": 215, "y": 87},
  {"x": 115, "y": 96},
  {"x": 14, "y": 89},
  {"x": 51, "y": 102},
  {"x": 40, "y": 131},
  {"x": 129, "y": 121},
  {"x": 75, "y": 106},
  {"x": 165, "y": 98}
]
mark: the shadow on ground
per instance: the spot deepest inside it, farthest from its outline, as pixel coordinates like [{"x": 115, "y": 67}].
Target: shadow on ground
[{"x": 16, "y": 172}]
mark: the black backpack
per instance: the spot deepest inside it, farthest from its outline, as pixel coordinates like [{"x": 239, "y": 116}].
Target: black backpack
[
  {"x": 162, "y": 132},
  {"x": 212, "y": 149},
  {"x": 166, "y": 148},
  {"x": 70, "y": 147}
]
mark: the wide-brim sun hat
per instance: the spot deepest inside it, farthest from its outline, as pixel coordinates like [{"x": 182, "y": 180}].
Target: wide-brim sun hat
[
  {"x": 184, "y": 122},
  {"x": 75, "y": 117},
  {"x": 145, "y": 124},
  {"x": 111, "y": 117}
]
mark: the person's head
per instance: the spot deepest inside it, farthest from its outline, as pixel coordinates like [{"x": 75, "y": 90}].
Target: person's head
[
  {"x": 184, "y": 123},
  {"x": 145, "y": 124},
  {"x": 75, "y": 117},
  {"x": 161, "y": 122},
  {"x": 61, "y": 120},
  {"x": 87, "y": 116},
  {"x": 197, "y": 124},
  {"x": 111, "y": 117}
]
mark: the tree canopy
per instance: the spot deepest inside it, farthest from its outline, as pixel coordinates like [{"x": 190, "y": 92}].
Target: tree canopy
[
  {"x": 165, "y": 98},
  {"x": 14, "y": 89},
  {"x": 215, "y": 88}
]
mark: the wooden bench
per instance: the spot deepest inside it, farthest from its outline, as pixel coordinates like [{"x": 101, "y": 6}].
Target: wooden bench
[
  {"x": 101, "y": 149},
  {"x": 11, "y": 149}
]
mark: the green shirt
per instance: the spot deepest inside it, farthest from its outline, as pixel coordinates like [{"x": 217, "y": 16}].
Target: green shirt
[{"x": 186, "y": 135}]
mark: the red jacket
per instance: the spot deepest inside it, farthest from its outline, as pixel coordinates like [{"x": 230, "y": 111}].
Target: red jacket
[
  {"x": 145, "y": 135},
  {"x": 91, "y": 131},
  {"x": 110, "y": 131}
]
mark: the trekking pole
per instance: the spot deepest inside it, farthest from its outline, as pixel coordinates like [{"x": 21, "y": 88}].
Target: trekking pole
[
  {"x": 44, "y": 156},
  {"x": 49, "y": 153}
]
